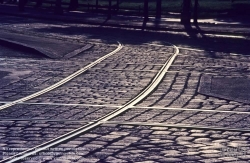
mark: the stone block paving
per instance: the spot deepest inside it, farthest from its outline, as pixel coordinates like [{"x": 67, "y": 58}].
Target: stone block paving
[
  {"x": 180, "y": 86},
  {"x": 24, "y": 76},
  {"x": 115, "y": 81},
  {"x": 52, "y": 112},
  {"x": 128, "y": 143},
  {"x": 109, "y": 89},
  {"x": 20, "y": 135},
  {"x": 101, "y": 85},
  {"x": 196, "y": 118}
]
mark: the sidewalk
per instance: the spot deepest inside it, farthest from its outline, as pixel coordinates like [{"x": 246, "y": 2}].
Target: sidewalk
[{"x": 209, "y": 26}]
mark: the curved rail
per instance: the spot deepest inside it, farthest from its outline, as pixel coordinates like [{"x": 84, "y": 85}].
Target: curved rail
[
  {"x": 63, "y": 81},
  {"x": 155, "y": 82}
]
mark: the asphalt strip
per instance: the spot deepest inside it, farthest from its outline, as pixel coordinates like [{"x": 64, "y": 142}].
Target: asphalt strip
[{"x": 50, "y": 47}]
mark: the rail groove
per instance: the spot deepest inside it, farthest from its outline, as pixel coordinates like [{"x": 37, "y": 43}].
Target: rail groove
[
  {"x": 155, "y": 82},
  {"x": 63, "y": 81}
]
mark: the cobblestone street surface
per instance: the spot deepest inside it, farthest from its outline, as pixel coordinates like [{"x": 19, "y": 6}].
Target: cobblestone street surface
[
  {"x": 176, "y": 122},
  {"x": 129, "y": 143}
]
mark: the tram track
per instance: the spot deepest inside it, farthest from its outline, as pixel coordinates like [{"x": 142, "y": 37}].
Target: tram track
[
  {"x": 63, "y": 81},
  {"x": 107, "y": 119},
  {"x": 170, "y": 71},
  {"x": 154, "y": 83}
]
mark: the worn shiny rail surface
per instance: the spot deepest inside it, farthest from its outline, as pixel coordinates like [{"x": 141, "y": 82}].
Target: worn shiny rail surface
[
  {"x": 65, "y": 80},
  {"x": 90, "y": 125}
]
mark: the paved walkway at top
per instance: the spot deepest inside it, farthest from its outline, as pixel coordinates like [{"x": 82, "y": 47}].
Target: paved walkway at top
[{"x": 235, "y": 25}]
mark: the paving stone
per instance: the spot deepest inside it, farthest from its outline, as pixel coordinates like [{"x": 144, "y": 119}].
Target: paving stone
[
  {"x": 115, "y": 160},
  {"x": 173, "y": 148},
  {"x": 185, "y": 138},
  {"x": 171, "y": 160},
  {"x": 115, "y": 81},
  {"x": 161, "y": 132},
  {"x": 26, "y": 138}
]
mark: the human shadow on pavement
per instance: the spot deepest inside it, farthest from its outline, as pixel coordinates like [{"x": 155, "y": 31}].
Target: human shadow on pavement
[
  {"x": 194, "y": 30},
  {"x": 144, "y": 24},
  {"x": 190, "y": 31}
]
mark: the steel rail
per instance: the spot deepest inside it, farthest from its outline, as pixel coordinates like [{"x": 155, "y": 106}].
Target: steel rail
[
  {"x": 177, "y": 126},
  {"x": 63, "y": 81},
  {"x": 154, "y": 83}
]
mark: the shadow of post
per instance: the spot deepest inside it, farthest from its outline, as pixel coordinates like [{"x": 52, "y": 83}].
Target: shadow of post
[
  {"x": 199, "y": 31},
  {"x": 189, "y": 30},
  {"x": 145, "y": 20}
]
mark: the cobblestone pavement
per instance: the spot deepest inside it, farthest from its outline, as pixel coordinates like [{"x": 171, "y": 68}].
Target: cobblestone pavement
[
  {"x": 128, "y": 143},
  {"x": 109, "y": 85},
  {"x": 179, "y": 88},
  {"x": 18, "y": 136},
  {"x": 21, "y": 81}
]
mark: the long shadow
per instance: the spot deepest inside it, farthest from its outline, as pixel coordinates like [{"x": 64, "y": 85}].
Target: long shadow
[
  {"x": 201, "y": 32},
  {"x": 190, "y": 31},
  {"x": 230, "y": 45},
  {"x": 157, "y": 22},
  {"x": 238, "y": 13},
  {"x": 145, "y": 20},
  {"x": 137, "y": 37},
  {"x": 194, "y": 32}
]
